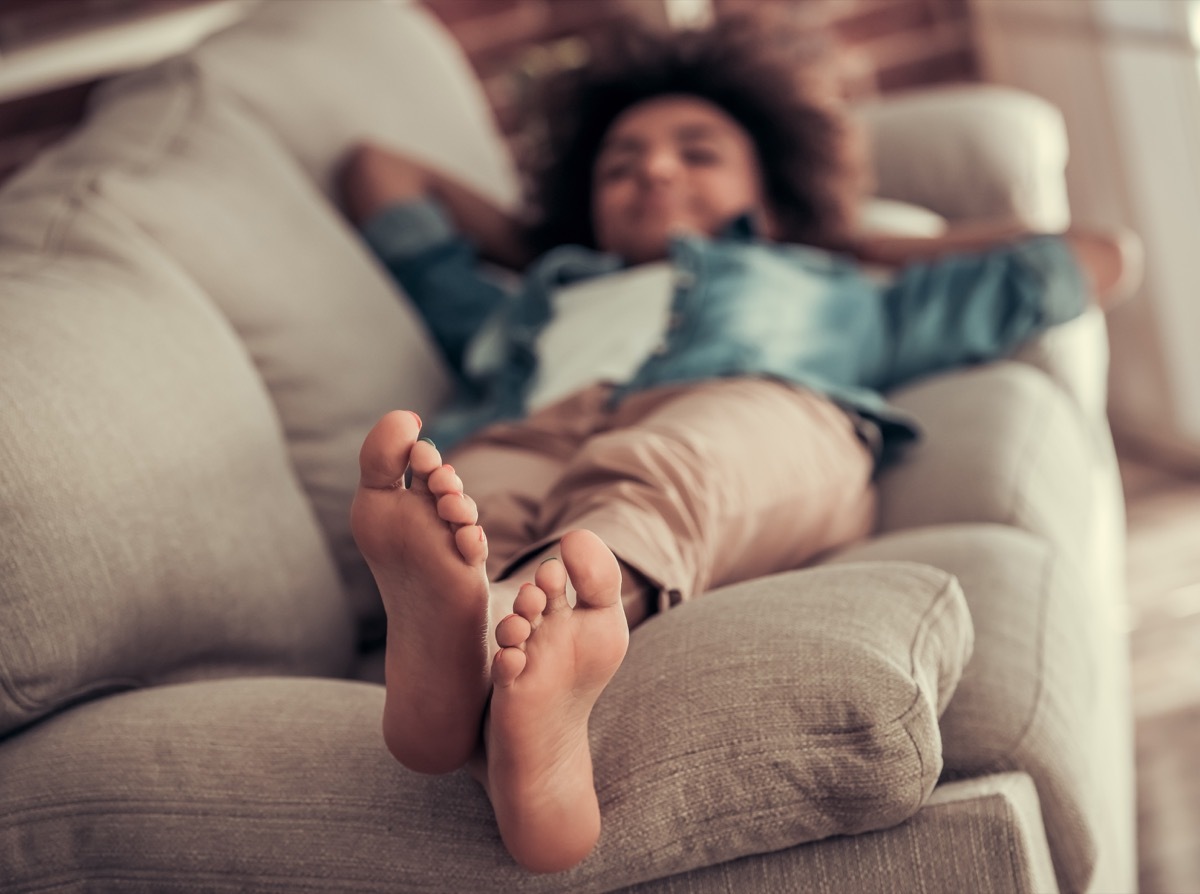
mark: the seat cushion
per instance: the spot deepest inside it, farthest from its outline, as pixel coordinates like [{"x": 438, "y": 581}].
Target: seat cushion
[
  {"x": 984, "y": 836},
  {"x": 153, "y": 528},
  {"x": 763, "y": 715}
]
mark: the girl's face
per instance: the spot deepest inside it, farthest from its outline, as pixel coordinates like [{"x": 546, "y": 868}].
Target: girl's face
[{"x": 672, "y": 164}]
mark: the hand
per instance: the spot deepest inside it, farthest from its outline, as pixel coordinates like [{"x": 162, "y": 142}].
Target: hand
[
  {"x": 371, "y": 178},
  {"x": 1113, "y": 262}
]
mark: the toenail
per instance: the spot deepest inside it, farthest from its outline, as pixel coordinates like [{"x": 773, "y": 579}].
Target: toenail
[
  {"x": 428, "y": 441},
  {"x": 551, "y": 559},
  {"x": 450, "y": 467},
  {"x": 416, "y": 417}
]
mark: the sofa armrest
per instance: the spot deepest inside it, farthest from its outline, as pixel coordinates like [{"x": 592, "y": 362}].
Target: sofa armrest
[
  {"x": 1075, "y": 356},
  {"x": 971, "y": 151}
]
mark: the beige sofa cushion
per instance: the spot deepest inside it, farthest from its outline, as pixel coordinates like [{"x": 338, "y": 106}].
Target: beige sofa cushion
[
  {"x": 388, "y": 71},
  {"x": 336, "y": 343},
  {"x": 153, "y": 530},
  {"x": 1003, "y": 444},
  {"x": 761, "y": 716},
  {"x": 223, "y": 159},
  {"x": 972, "y": 152},
  {"x": 982, "y": 836},
  {"x": 1027, "y": 701}
]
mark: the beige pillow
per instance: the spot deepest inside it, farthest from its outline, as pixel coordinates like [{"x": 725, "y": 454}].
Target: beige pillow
[
  {"x": 1002, "y": 443},
  {"x": 759, "y": 717},
  {"x": 340, "y": 72},
  {"x": 1027, "y": 700},
  {"x": 336, "y": 343},
  {"x": 153, "y": 529}
]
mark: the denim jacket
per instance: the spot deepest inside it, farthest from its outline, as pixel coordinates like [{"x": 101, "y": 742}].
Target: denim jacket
[{"x": 742, "y": 306}]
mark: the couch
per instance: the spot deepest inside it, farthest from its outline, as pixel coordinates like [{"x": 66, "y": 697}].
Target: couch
[{"x": 193, "y": 343}]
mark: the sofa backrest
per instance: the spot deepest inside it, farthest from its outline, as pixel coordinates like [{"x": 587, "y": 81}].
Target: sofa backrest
[
  {"x": 181, "y": 300},
  {"x": 193, "y": 344},
  {"x": 152, "y": 527},
  {"x": 340, "y": 72}
]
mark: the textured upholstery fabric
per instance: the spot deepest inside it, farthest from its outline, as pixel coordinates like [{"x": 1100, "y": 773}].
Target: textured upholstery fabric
[
  {"x": 1026, "y": 698},
  {"x": 388, "y": 72},
  {"x": 1002, "y": 445},
  {"x": 248, "y": 154},
  {"x": 819, "y": 717},
  {"x": 152, "y": 527},
  {"x": 334, "y": 341},
  {"x": 888, "y": 217},
  {"x": 1075, "y": 356},
  {"x": 999, "y": 153},
  {"x": 161, "y": 448},
  {"x": 989, "y": 833}
]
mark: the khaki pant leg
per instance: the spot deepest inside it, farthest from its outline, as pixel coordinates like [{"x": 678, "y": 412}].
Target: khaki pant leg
[
  {"x": 508, "y": 468},
  {"x": 713, "y": 483}
]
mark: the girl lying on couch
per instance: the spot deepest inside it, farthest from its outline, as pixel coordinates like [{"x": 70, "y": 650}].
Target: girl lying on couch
[{"x": 685, "y": 392}]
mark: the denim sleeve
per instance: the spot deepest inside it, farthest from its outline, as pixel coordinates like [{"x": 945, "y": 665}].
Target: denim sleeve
[
  {"x": 438, "y": 269},
  {"x": 974, "y": 307}
]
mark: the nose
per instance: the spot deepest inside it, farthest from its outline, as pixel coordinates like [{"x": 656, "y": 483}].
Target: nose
[{"x": 659, "y": 165}]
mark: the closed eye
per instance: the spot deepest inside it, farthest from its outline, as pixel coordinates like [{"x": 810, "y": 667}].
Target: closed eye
[
  {"x": 614, "y": 170},
  {"x": 701, "y": 155}
]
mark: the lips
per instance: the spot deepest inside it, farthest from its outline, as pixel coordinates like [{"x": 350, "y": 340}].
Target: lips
[
  {"x": 659, "y": 199},
  {"x": 659, "y": 208}
]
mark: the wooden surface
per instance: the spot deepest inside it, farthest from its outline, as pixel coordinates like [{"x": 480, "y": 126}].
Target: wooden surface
[{"x": 1164, "y": 593}]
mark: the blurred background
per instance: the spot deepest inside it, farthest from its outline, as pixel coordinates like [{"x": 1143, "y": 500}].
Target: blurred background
[{"x": 1126, "y": 75}]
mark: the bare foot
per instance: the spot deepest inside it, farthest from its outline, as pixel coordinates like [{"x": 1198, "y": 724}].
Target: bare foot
[
  {"x": 553, "y": 664},
  {"x": 426, "y": 552}
]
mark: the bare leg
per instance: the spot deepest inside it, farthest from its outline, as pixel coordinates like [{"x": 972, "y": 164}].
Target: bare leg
[
  {"x": 554, "y": 661},
  {"x": 549, "y": 661}
]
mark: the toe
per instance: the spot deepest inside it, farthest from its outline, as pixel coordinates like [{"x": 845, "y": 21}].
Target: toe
[
  {"x": 530, "y": 602},
  {"x": 507, "y": 666},
  {"x": 552, "y": 577},
  {"x": 472, "y": 544},
  {"x": 592, "y": 567},
  {"x": 512, "y": 631},
  {"x": 458, "y": 509},
  {"x": 424, "y": 460},
  {"x": 444, "y": 480},
  {"x": 386, "y": 450}
]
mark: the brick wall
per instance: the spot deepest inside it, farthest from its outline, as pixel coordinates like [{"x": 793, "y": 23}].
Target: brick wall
[
  {"x": 511, "y": 42},
  {"x": 887, "y": 45}
]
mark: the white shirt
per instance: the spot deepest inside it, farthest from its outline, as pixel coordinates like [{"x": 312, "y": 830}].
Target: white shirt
[{"x": 602, "y": 330}]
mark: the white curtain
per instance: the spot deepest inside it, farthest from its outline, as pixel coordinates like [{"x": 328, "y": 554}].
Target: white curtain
[{"x": 1125, "y": 74}]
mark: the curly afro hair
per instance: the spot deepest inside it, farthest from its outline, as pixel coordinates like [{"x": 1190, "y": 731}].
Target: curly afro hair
[{"x": 774, "y": 80}]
